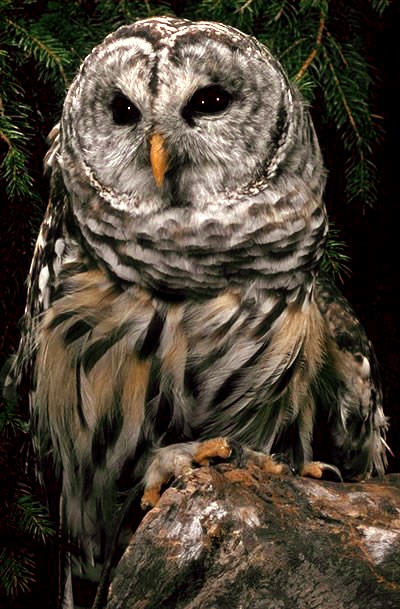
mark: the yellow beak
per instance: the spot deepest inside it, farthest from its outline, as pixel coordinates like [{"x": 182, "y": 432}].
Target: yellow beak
[{"x": 158, "y": 158}]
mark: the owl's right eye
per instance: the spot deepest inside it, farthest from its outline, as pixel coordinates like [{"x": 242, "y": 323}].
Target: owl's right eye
[{"x": 124, "y": 111}]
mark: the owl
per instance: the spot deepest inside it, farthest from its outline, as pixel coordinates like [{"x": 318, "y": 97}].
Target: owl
[{"x": 175, "y": 307}]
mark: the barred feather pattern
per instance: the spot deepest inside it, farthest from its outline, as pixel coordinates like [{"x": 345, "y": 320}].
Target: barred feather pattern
[{"x": 160, "y": 315}]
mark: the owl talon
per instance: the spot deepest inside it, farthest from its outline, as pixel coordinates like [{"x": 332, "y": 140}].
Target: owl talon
[
  {"x": 174, "y": 460},
  {"x": 320, "y": 470},
  {"x": 271, "y": 464},
  {"x": 209, "y": 449},
  {"x": 151, "y": 497}
]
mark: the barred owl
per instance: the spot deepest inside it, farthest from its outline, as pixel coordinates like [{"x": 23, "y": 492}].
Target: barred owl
[{"x": 174, "y": 305}]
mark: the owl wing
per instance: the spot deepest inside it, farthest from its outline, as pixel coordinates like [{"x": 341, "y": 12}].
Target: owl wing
[
  {"x": 42, "y": 278},
  {"x": 52, "y": 247},
  {"x": 55, "y": 249},
  {"x": 350, "y": 388}
]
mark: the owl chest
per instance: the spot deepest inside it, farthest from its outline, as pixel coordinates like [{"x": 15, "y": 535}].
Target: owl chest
[{"x": 120, "y": 369}]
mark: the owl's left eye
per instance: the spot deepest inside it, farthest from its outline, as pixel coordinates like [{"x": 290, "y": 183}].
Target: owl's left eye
[
  {"x": 124, "y": 110},
  {"x": 208, "y": 100}
]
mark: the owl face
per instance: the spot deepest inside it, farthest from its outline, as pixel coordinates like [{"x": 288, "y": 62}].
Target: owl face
[
  {"x": 214, "y": 95},
  {"x": 190, "y": 162}
]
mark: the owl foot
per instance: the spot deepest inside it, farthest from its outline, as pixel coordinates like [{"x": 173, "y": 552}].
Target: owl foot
[
  {"x": 275, "y": 464},
  {"x": 280, "y": 464},
  {"x": 211, "y": 449},
  {"x": 176, "y": 459},
  {"x": 317, "y": 469}
]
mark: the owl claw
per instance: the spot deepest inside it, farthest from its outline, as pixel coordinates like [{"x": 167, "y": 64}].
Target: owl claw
[
  {"x": 271, "y": 464},
  {"x": 150, "y": 497},
  {"x": 211, "y": 449},
  {"x": 174, "y": 460},
  {"x": 318, "y": 469}
]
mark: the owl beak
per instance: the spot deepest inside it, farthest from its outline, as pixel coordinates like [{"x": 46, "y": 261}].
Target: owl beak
[{"x": 158, "y": 158}]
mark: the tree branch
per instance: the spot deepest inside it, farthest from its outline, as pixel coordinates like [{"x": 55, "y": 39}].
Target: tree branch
[{"x": 314, "y": 52}]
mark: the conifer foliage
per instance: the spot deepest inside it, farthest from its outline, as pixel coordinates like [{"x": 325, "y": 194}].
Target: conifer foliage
[{"x": 321, "y": 45}]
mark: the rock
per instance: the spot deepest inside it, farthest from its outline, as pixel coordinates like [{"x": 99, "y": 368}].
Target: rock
[{"x": 226, "y": 538}]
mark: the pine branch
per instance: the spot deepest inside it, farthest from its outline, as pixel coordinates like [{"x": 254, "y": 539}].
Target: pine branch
[
  {"x": 345, "y": 82},
  {"x": 11, "y": 422},
  {"x": 342, "y": 96},
  {"x": 245, "y": 6},
  {"x": 32, "y": 518},
  {"x": 334, "y": 261},
  {"x": 380, "y": 5},
  {"x": 17, "y": 572},
  {"x": 44, "y": 48},
  {"x": 18, "y": 181},
  {"x": 314, "y": 52}
]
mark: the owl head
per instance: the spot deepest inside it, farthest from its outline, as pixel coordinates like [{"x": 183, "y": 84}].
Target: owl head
[{"x": 186, "y": 138}]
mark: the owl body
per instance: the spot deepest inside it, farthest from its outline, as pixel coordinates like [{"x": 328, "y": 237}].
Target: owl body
[{"x": 174, "y": 293}]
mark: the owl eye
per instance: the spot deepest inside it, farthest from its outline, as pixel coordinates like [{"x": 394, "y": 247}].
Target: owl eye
[
  {"x": 209, "y": 100},
  {"x": 124, "y": 111}
]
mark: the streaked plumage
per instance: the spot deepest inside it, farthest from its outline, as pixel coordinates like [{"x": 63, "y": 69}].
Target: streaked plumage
[{"x": 173, "y": 294}]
